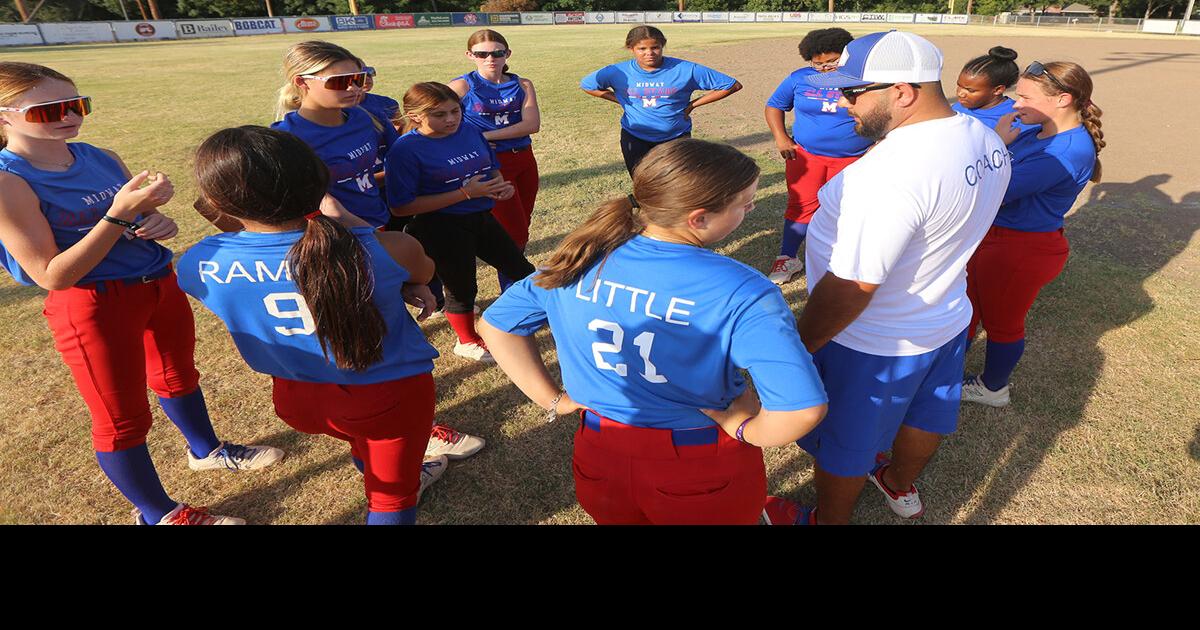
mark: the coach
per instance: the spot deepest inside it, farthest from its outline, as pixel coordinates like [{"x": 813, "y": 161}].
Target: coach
[{"x": 886, "y": 258}]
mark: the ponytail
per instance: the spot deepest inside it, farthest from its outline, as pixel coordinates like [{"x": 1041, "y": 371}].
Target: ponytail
[
  {"x": 607, "y": 229},
  {"x": 1090, "y": 115},
  {"x": 17, "y": 78},
  {"x": 1061, "y": 77},
  {"x": 306, "y": 58}
]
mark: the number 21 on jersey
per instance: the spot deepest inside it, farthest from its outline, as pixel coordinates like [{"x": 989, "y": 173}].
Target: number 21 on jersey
[{"x": 644, "y": 342}]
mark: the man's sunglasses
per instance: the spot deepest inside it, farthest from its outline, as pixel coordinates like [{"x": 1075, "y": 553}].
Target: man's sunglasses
[
  {"x": 340, "y": 81},
  {"x": 484, "y": 54},
  {"x": 1036, "y": 69},
  {"x": 855, "y": 92},
  {"x": 54, "y": 111}
]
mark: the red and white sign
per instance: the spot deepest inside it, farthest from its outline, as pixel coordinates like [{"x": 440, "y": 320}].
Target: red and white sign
[
  {"x": 144, "y": 31},
  {"x": 307, "y": 24},
  {"x": 395, "y": 20}
]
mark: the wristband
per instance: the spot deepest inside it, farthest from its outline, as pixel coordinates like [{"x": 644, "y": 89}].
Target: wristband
[
  {"x": 552, "y": 413},
  {"x": 129, "y": 225},
  {"x": 741, "y": 430},
  {"x": 465, "y": 193}
]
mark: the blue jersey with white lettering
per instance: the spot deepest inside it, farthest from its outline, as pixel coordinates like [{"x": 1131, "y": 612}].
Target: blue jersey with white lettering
[
  {"x": 244, "y": 278},
  {"x": 820, "y": 126},
  {"x": 1048, "y": 174},
  {"x": 660, "y": 330},
  {"x": 991, "y": 116},
  {"x": 382, "y": 107},
  {"x": 654, "y": 100},
  {"x": 350, "y": 150},
  {"x": 73, "y": 202},
  {"x": 418, "y": 165},
  {"x": 490, "y": 106}
]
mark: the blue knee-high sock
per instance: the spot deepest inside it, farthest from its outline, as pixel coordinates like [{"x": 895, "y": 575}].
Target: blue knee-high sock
[
  {"x": 190, "y": 415},
  {"x": 793, "y": 235},
  {"x": 403, "y": 517},
  {"x": 132, "y": 472},
  {"x": 1001, "y": 360},
  {"x": 358, "y": 463}
]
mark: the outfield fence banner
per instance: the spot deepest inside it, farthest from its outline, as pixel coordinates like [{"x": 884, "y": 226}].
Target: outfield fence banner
[
  {"x": 820, "y": 16},
  {"x": 353, "y": 23},
  {"x": 204, "y": 28},
  {"x": 306, "y": 24},
  {"x": 504, "y": 18},
  {"x": 928, "y": 18},
  {"x": 469, "y": 19},
  {"x": 143, "y": 31},
  {"x": 257, "y": 26},
  {"x": 741, "y": 16},
  {"x": 76, "y": 32},
  {"x": 659, "y": 17},
  {"x": 900, "y": 18},
  {"x": 847, "y": 17},
  {"x": 1191, "y": 27},
  {"x": 958, "y": 18},
  {"x": 570, "y": 17},
  {"x": 875, "y": 17},
  {"x": 20, "y": 35},
  {"x": 631, "y": 17},
  {"x": 395, "y": 20},
  {"x": 600, "y": 17},
  {"x": 543, "y": 17},
  {"x": 1149, "y": 26},
  {"x": 768, "y": 17},
  {"x": 423, "y": 20},
  {"x": 687, "y": 16},
  {"x": 714, "y": 16},
  {"x": 795, "y": 16}
]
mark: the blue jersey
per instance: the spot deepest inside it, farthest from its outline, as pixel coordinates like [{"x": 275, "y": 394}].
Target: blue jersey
[
  {"x": 654, "y": 100},
  {"x": 384, "y": 109},
  {"x": 244, "y": 278},
  {"x": 1047, "y": 177},
  {"x": 73, "y": 202},
  {"x": 490, "y": 106},
  {"x": 660, "y": 330},
  {"x": 820, "y": 127},
  {"x": 418, "y": 165},
  {"x": 350, "y": 150},
  {"x": 991, "y": 116}
]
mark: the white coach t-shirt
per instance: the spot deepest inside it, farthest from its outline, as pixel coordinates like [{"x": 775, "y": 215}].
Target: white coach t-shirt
[{"x": 907, "y": 216}]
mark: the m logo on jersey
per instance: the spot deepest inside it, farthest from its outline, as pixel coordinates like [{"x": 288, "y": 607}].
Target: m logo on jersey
[
  {"x": 649, "y": 101},
  {"x": 365, "y": 181},
  {"x": 829, "y": 107},
  {"x": 501, "y": 119}
]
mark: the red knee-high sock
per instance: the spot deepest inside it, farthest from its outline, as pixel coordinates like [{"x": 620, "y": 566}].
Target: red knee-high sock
[{"x": 464, "y": 326}]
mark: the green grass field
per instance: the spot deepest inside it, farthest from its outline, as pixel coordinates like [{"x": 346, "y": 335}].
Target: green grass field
[{"x": 1103, "y": 428}]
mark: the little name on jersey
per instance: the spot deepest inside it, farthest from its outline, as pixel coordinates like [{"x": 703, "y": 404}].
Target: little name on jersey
[
  {"x": 607, "y": 292},
  {"x": 237, "y": 271},
  {"x": 103, "y": 195},
  {"x": 463, "y": 158},
  {"x": 361, "y": 151}
]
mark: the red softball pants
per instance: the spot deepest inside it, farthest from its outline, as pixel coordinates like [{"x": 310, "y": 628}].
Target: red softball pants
[
  {"x": 1005, "y": 275},
  {"x": 516, "y": 212},
  {"x": 805, "y": 176}
]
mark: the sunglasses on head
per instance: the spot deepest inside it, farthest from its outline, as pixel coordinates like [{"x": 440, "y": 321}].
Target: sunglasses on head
[
  {"x": 484, "y": 54},
  {"x": 1036, "y": 69},
  {"x": 855, "y": 92},
  {"x": 54, "y": 111},
  {"x": 340, "y": 81}
]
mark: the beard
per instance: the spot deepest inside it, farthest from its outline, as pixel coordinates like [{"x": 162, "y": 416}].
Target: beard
[{"x": 876, "y": 123}]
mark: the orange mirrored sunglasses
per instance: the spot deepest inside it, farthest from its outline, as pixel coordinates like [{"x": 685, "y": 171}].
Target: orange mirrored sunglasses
[{"x": 54, "y": 111}]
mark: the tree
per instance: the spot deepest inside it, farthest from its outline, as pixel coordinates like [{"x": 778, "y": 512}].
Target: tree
[{"x": 498, "y": 6}]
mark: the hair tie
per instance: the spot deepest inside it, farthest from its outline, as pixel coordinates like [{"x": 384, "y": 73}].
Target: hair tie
[
  {"x": 633, "y": 202},
  {"x": 312, "y": 215}
]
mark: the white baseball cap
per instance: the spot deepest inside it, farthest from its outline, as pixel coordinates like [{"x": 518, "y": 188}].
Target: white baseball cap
[{"x": 891, "y": 57}]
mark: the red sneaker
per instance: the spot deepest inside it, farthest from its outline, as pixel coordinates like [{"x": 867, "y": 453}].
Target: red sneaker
[{"x": 780, "y": 511}]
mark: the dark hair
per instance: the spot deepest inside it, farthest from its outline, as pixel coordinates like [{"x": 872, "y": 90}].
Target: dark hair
[
  {"x": 824, "y": 40},
  {"x": 999, "y": 65},
  {"x": 1078, "y": 83},
  {"x": 422, "y": 97},
  {"x": 488, "y": 35},
  {"x": 673, "y": 179},
  {"x": 638, "y": 33},
  {"x": 274, "y": 177}
]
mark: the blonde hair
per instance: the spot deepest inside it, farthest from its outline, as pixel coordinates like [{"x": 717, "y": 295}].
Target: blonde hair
[
  {"x": 17, "y": 78},
  {"x": 423, "y": 97},
  {"x": 673, "y": 179},
  {"x": 306, "y": 58},
  {"x": 1078, "y": 83}
]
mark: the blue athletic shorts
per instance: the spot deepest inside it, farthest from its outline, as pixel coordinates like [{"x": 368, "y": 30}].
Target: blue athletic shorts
[{"x": 870, "y": 396}]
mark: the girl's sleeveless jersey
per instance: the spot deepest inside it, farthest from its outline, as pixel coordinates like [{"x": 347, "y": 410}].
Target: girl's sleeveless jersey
[{"x": 490, "y": 106}]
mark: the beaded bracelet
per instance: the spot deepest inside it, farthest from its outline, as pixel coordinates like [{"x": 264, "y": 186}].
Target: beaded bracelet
[
  {"x": 552, "y": 413},
  {"x": 741, "y": 429}
]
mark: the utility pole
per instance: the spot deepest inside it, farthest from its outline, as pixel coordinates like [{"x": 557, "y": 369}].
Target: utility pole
[
  {"x": 21, "y": 10},
  {"x": 142, "y": 8},
  {"x": 270, "y": 12},
  {"x": 154, "y": 9},
  {"x": 123, "y": 11},
  {"x": 831, "y": 6},
  {"x": 353, "y": 7}
]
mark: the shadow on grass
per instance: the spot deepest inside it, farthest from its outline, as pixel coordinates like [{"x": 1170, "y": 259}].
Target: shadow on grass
[{"x": 15, "y": 293}]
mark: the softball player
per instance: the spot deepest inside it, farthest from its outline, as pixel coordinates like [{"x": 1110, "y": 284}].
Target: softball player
[
  {"x": 320, "y": 308},
  {"x": 73, "y": 221},
  {"x": 383, "y": 108},
  {"x": 983, "y": 82},
  {"x": 446, "y": 174},
  {"x": 822, "y": 143},
  {"x": 650, "y": 326},
  {"x": 1026, "y": 248},
  {"x": 503, "y": 106},
  {"x": 655, "y": 92}
]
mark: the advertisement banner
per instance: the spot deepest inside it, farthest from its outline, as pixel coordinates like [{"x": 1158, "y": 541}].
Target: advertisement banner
[
  {"x": 601, "y": 17},
  {"x": 768, "y": 17},
  {"x": 204, "y": 28},
  {"x": 144, "y": 31},
  {"x": 395, "y": 20},
  {"x": 874, "y": 17},
  {"x": 960, "y": 18},
  {"x": 658, "y": 17},
  {"x": 715, "y": 16},
  {"x": 257, "y": 26},
  {"x": 795, "y": 16},
  {"x": 353, "y": 23},
  {"x": 544, "y": 17},
  {"x": 504, "y": 18},
  {"x": 900, "y": 18},
  {"x": 569, "y": 17},
  {"x": 76, "y": 32},
  {"x": 469, "y": 19},
  {"x": 1149, "y": 26},
  {"x": 631, "y": 17},
  {"x": 687, "y": 16},
  {"x": 305, "y": 24},
  {"x": 847, "y": 17},
  {"x": 928, "y": 18},
  {"x": 1191, "y": 27},
  {"x": 20, "y": 35},
  {"x": 741, "y": 16},
  {"x": 818, "y": 16},
  {"x": 432, "y": 19}
]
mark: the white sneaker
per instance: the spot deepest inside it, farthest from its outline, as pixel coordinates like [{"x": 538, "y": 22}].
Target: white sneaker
[
  {"x": 973, "y": 390},
  {"x": 230, "y": 456},
  {"x": 475, "y": 351},
  {"x": 184, "y": 514},
  {"x": 431, "y": 470},
  {"x": 785, "y": 269},
  {"x": 907, "y": 505},
  {"x": 442, "y": 313},
  {"x": 453, "y": 444}
]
